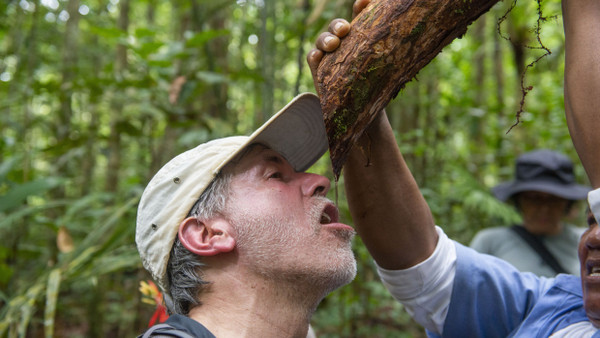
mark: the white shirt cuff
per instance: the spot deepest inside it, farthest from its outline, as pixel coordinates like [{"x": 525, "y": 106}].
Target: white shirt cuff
[{"x": 426, "y": 288}]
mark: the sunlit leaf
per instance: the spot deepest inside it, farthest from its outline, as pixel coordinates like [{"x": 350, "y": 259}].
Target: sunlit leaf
[
  {"x": 200, "y": 38},
  {"x": 106, "y": 264},
  {"x": 51, "y": 298},
  {"x": 144, "y": 32},
  {"x": 7, "y": 165},
  {"x": 212, "y": 77},
  {"x": 19, "y": 193},
  {"x": 15, "y": 216},
  {"x": 108, "y": 32}
]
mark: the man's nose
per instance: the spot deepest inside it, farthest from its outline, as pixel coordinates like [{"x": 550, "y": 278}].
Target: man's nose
[{"x": 315, "y": 185}]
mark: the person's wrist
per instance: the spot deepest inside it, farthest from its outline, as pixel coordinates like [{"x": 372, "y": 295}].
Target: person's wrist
[
  {"x": 374, "y": 134},
  {"x": 379, "y": 127}
]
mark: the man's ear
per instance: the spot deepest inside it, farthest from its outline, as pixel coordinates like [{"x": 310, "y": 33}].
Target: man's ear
[{"x": 206, "y": 238}]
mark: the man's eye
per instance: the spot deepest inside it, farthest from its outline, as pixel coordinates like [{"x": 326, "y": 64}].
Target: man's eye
[{"x": 276, "y": 175}]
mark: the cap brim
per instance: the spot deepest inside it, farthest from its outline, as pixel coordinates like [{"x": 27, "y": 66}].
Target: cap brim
[
  {"x": 297, "y": 132},
  {"x": 506, "y": 190}
]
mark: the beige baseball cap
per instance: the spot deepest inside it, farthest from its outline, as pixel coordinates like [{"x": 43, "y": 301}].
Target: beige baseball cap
[{"x": 297, "y": 132}]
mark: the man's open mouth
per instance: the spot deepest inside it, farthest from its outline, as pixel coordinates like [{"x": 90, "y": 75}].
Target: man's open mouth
[
  {"x": 329, "y": 215},
  {"x": 594, "y": 271}
]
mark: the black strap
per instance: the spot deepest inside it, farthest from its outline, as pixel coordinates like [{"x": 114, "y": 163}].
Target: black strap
[
  {"x": 166, "y": 331},
  {"x": 536, "y": 244}
]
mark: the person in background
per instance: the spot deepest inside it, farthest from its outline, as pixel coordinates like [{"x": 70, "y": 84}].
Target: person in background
[
  {"x": 241, "y": 240},
  {"x": 453, "y": 290},
  {"x": 543, "y": 191}
]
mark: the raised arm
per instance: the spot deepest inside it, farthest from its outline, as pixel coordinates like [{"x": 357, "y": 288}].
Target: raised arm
[
  {"x": 582, "y": 81},
  {"x": 388, "y": 210}
]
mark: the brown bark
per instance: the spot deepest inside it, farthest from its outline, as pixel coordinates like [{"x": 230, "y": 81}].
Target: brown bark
[{"x": 390, "y": 41}]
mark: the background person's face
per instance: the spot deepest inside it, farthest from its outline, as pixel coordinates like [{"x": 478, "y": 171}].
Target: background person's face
[
  {"x": 285, "y": 228},
  {"x": 542, "y": 212}
]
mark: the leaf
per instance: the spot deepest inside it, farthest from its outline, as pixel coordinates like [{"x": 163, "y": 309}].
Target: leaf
[
  {"x": 82, "y": 259},
  {"x": 52, "y": 289},
  {"x": 127, "y": 128},
  {"x": 107, "y": 264},
  {"x": 106, "y": 228},
  {"x": 7, "y": 165},
  {"x": 82, "y": 205},
  {"x": 14, "y": 216},
  {"x": 6, "y": 273},
  {"x": 201, "y": 38},
  {"x": 186, "y": 91},
  {"x": 489, "y": 205},
  {"x": 96, "y": 242},
  {"x": 108, "y": 32},
  {"x": 212, "y": 77},
  {"x": 19, "y": 193},
  {"x": 28, "y": 306},
  {"x": 160, "y": 63},
  {"x": 147, "y": 48},
  {"x": 144, "y": 32}
]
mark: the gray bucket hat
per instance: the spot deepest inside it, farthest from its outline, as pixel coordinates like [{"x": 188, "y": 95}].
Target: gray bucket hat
[{"x": 546, "y": 171}]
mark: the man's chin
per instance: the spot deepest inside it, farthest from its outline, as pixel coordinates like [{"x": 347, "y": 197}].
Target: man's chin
[
  {"x": 595, "y": 322},
  {"x": 592, "y": 310},
  {"x": 342, "y": 276}
]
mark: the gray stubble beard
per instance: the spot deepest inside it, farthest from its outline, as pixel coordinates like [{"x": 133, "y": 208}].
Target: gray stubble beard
[{"x": 264, "y": 252}]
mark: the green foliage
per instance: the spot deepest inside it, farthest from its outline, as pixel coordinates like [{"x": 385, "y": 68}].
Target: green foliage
[{"x": 93, "y": 102}]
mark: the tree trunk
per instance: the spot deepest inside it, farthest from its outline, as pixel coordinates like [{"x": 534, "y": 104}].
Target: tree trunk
[
  {"x": 304, "y": 7},
  {"x": 501, "y": 121},
  {"x": 266, "y": 47},
  {"x": 212, "y": 57},
  {"x": 68, "y": 72},
  {"x": 389, "y": 43},
  {"x": 114, "y": 138},
  {"x": 477, "y": 121}
]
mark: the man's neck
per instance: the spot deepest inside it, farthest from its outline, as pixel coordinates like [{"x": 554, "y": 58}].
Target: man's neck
[{"x": 255, "y": 308}]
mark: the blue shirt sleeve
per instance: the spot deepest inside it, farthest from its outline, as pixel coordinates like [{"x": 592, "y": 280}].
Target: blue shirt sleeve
[{"x": 490, "y": 298}]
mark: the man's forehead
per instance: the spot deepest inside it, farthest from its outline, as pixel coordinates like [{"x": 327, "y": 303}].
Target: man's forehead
[
  {"x": 262, "y": 151},
  {"x": 254, "y": 154}
]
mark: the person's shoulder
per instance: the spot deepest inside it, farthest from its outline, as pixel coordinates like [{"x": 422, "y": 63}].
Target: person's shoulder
[
  {"x": 574, "y": 230},
  {"x": 495, "y": 231},
  {"x": 568, "y": 283},
  {"x": 165, "y": 330},
  {"x": 488, "y": 240},
  {"x": 492, "y": 234},
  {"x": 178, "y": 326}
]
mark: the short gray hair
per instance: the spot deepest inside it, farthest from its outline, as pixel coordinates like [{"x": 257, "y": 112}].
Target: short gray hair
[{"x": 184, "y": 268}]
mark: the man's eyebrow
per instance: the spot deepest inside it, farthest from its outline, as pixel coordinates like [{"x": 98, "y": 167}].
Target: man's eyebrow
[{"x": 274, "y": 158}]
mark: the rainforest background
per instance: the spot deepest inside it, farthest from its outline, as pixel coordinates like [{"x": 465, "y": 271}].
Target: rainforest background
[{"x": 96, "y": 95}]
